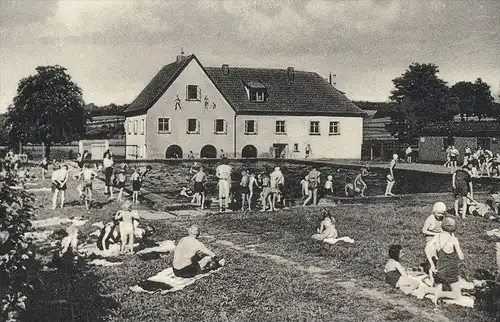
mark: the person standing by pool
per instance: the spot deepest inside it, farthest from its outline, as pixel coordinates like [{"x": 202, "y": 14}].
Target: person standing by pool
[
  {"x": 44, "y": 164},
  {"x": 467, "y": 154},
  {"x": 252, "y": 182},
  {"x": 223, "y": 173},
  {"x": 447, "y": 152},
  {"x": 453, "y": 158},
  {"x": 308, "y": 151},
  {"x": 391, "y": 180},
  {"x": 408, "y": 153},
  {"x": 107, "y": 163},
  {"x": 276, "y": 182},
  {"x": 359, "y": 182},
  {"x": 244, "y": 190},
  {"x": 313, "y": 179},
  {"x": 462, "y": 188}
]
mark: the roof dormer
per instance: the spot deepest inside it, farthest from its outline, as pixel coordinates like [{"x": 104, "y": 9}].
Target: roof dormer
[{"x": 256, "y": 91}]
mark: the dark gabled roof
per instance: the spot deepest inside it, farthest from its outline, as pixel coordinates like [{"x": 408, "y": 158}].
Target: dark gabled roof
[
  {"x": 157, "y": 87},
  {"x": 463, "y": 129},
  {"x": 307, "y": 94}
]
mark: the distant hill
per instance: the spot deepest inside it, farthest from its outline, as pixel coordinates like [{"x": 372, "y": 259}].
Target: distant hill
[{"x": 111, "y": 109}]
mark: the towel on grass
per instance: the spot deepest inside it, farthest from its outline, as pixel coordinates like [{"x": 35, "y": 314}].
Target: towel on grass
[
  {"x": 166, "y": 282},
  {"x": 103, "y": 262},
  {"x": 333, "y": 241},
  {"x": 466, "y": 301},
  {"x": 54, "y": 221},
  {"x": 43, "y": 189},
  {"x": 158, "y": 215}
]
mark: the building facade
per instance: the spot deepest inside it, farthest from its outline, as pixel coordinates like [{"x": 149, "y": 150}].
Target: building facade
[{"x": 242, "y": 112}]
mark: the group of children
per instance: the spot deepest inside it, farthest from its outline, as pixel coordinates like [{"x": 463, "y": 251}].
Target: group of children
[{"x": 483, "y": 161}]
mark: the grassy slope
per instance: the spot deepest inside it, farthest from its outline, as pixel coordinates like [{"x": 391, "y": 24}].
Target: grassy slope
[{"x": 257, "y": 288}]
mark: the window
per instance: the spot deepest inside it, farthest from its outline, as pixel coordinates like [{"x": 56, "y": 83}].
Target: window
[
  {"x": 163, "y": 125},
  {"x": 257, "y": 95},
  {"x": 485, "y": 143},
  {"x": 135, "y": 127},
  {"x": 193, "y": 93},
  {"x": 314, "y": 128},
  {"x": 250, "y": 127},
  {"x": 129, "y": 127},
  {"x": 193, "y": 126},
  {"x": 142, "y": 126},
  {"x": 295, "y": 147},
  {"x": 220, "y": 126},
  {"x": 280, "y": 127},
  {"x": 334, "y": 128}
]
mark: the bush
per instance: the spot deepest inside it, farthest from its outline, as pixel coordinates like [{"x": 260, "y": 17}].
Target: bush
[{"x": 15, "y": 250}]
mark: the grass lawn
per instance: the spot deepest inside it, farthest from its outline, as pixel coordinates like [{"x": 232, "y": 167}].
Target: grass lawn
[{"x": 308, "y": 282}]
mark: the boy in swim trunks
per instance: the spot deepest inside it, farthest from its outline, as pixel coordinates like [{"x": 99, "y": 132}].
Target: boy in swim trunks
[
  {"x": 244, "y": 190},
  {"x": 462, "y": 186},
  {"x": 126, "y": 217},
  {"x": 85, "y": 188},
  {"x": 199, "y": 189},
  {"x": 59, "y": 179},
  {"x": 252, "y": 183}
]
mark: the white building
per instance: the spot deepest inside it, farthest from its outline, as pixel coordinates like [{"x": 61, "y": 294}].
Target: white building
[{"x": 247, "y": 112}]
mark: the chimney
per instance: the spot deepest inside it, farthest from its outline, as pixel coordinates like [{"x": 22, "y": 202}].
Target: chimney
[
  {"x": 181, "y": 57},
  {"x": 225, "y": 70},
  {"x": 290, "y": 73}
]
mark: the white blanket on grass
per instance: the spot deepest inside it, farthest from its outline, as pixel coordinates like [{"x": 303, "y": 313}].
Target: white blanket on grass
[
  {"x": 157, "y": 215},
  {"x": 165, "y": 246},
  {"x": 43, "y": 189},
  {"x": 167, "y": 277},
  {"x": 465, "y": 301},
  {"x": 54, "y": 221},
  {"x": 103, "y": 262},
  {"x": 333, "y": 241}
]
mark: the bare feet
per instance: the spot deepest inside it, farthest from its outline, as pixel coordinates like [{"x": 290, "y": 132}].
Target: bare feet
[{"x": 435, "y": 299}]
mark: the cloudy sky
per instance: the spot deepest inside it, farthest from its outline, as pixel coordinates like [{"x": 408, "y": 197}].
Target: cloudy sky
[{"x": 113, "y": 48}]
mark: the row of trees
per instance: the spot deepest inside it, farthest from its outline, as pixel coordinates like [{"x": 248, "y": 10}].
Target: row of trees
[{"x": 421, "y": 97}]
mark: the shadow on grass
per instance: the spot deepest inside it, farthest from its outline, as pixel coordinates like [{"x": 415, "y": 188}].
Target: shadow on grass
[
  {"x": 488, "y": 298},
  {"x": 68, "y": 293}
]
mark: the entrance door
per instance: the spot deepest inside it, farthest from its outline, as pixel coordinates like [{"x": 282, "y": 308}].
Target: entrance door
[{"x": 279, "y": 150}]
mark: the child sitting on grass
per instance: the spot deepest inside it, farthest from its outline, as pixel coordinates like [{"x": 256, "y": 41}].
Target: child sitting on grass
[
  {"x": 397, "y": 276},
  {"x": 327, "y": 228}
]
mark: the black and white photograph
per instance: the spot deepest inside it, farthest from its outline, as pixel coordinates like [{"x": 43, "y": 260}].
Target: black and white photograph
[{"x": 249, "y": 160}]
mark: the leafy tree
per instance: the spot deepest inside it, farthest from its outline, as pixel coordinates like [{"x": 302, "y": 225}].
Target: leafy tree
[
  {"x": 4, "y": 138},
  {"x": 421, "y": 97},
  {"x": 483, "y": 103},
  {"x": 465, "y": 94},
  {"x": 48, "y": 108}
]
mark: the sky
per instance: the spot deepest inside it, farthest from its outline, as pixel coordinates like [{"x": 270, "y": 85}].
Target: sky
[{"x": 112, "y": 49}]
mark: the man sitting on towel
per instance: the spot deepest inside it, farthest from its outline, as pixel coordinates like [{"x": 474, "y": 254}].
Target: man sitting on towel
[{"x": 192, "y": 257}]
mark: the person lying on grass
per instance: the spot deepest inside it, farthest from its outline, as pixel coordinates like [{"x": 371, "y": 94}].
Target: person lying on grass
[
  {"x": 397, "y": 276},
  {"x": 192, "y": 257},
  {"x": 449, "y": 254},
  {"x": 327, "y": 228}
]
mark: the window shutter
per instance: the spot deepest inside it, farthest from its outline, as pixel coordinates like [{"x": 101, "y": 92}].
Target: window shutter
[
  {"x": 255, "y": 127},
  {"x": 199, "y": 93},
  {"x": 215, "y": 126},
  {"x": 187, "y": 125},
  {"x": 187, "y": 92},
  {"x": 225, "y": 126},
  {"x": 198, "y": 126},
  {"x": 246, "y": 126}
]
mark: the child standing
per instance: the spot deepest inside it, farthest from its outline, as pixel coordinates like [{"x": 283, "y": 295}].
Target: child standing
[
  {"x": 44, "y": 164},
  {"x": 120, "y": 183},
  {"x": 199, "y": 189},
  {"x": 244, "y": 190},
  {"x": 329, "y": 185},
  {"x": 252, "y": 182},
  {"x": 304, "y": 185},
  {"x": 136, "y": 185}
]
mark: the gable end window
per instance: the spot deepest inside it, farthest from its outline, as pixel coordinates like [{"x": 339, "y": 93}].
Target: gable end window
[
  {"x": 193, "y": 93},
  {"x": 192, "y": 126},
  {"x": 334, "y": 128},
  {"x": 250, "y": 127},
  {"x": 314, "y": 128},
  {"x": 280, "y": 127},
  {"x": 163, "y": 125},
  {"x": 220, "y": 126}
]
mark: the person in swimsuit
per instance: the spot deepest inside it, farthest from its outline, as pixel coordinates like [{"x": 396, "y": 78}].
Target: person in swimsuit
[
  {"x": 265, "y": 195},
  {"x": 244, "y": 190},
  {"x": 276, "y": 184},
  {"x": 462, "y": 188},
  {"x": 304, "y": 188},
  {"x": 327, "y": 227},
  {"x": 252, "y": 183},
  {"x": 108, "y": 235},
  {"x": 192, "y": 257},
  {"x": 87, "y": 175},
  {"x": 44, "y": 164},
  {"x": 449, "y": 254},
  {"x": 329, "y": 185},
  {"x": 313, "y": 179},
  {"x": 223, "y": 173},
  {"x": 447, "y": 152},
  {"x": 135, "y": 178},
  {"x": 59, "y": 179},
  {"x": 126, "y": 218},
  {"x": 454, "y": 153},
  {"x": 397, "y": 276},
  {"x": 390, "y": 177},
  {"x": 432, "y": 224},
  {"x": 199, "y": 189},
  {"x": 359, "y": 182}
]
